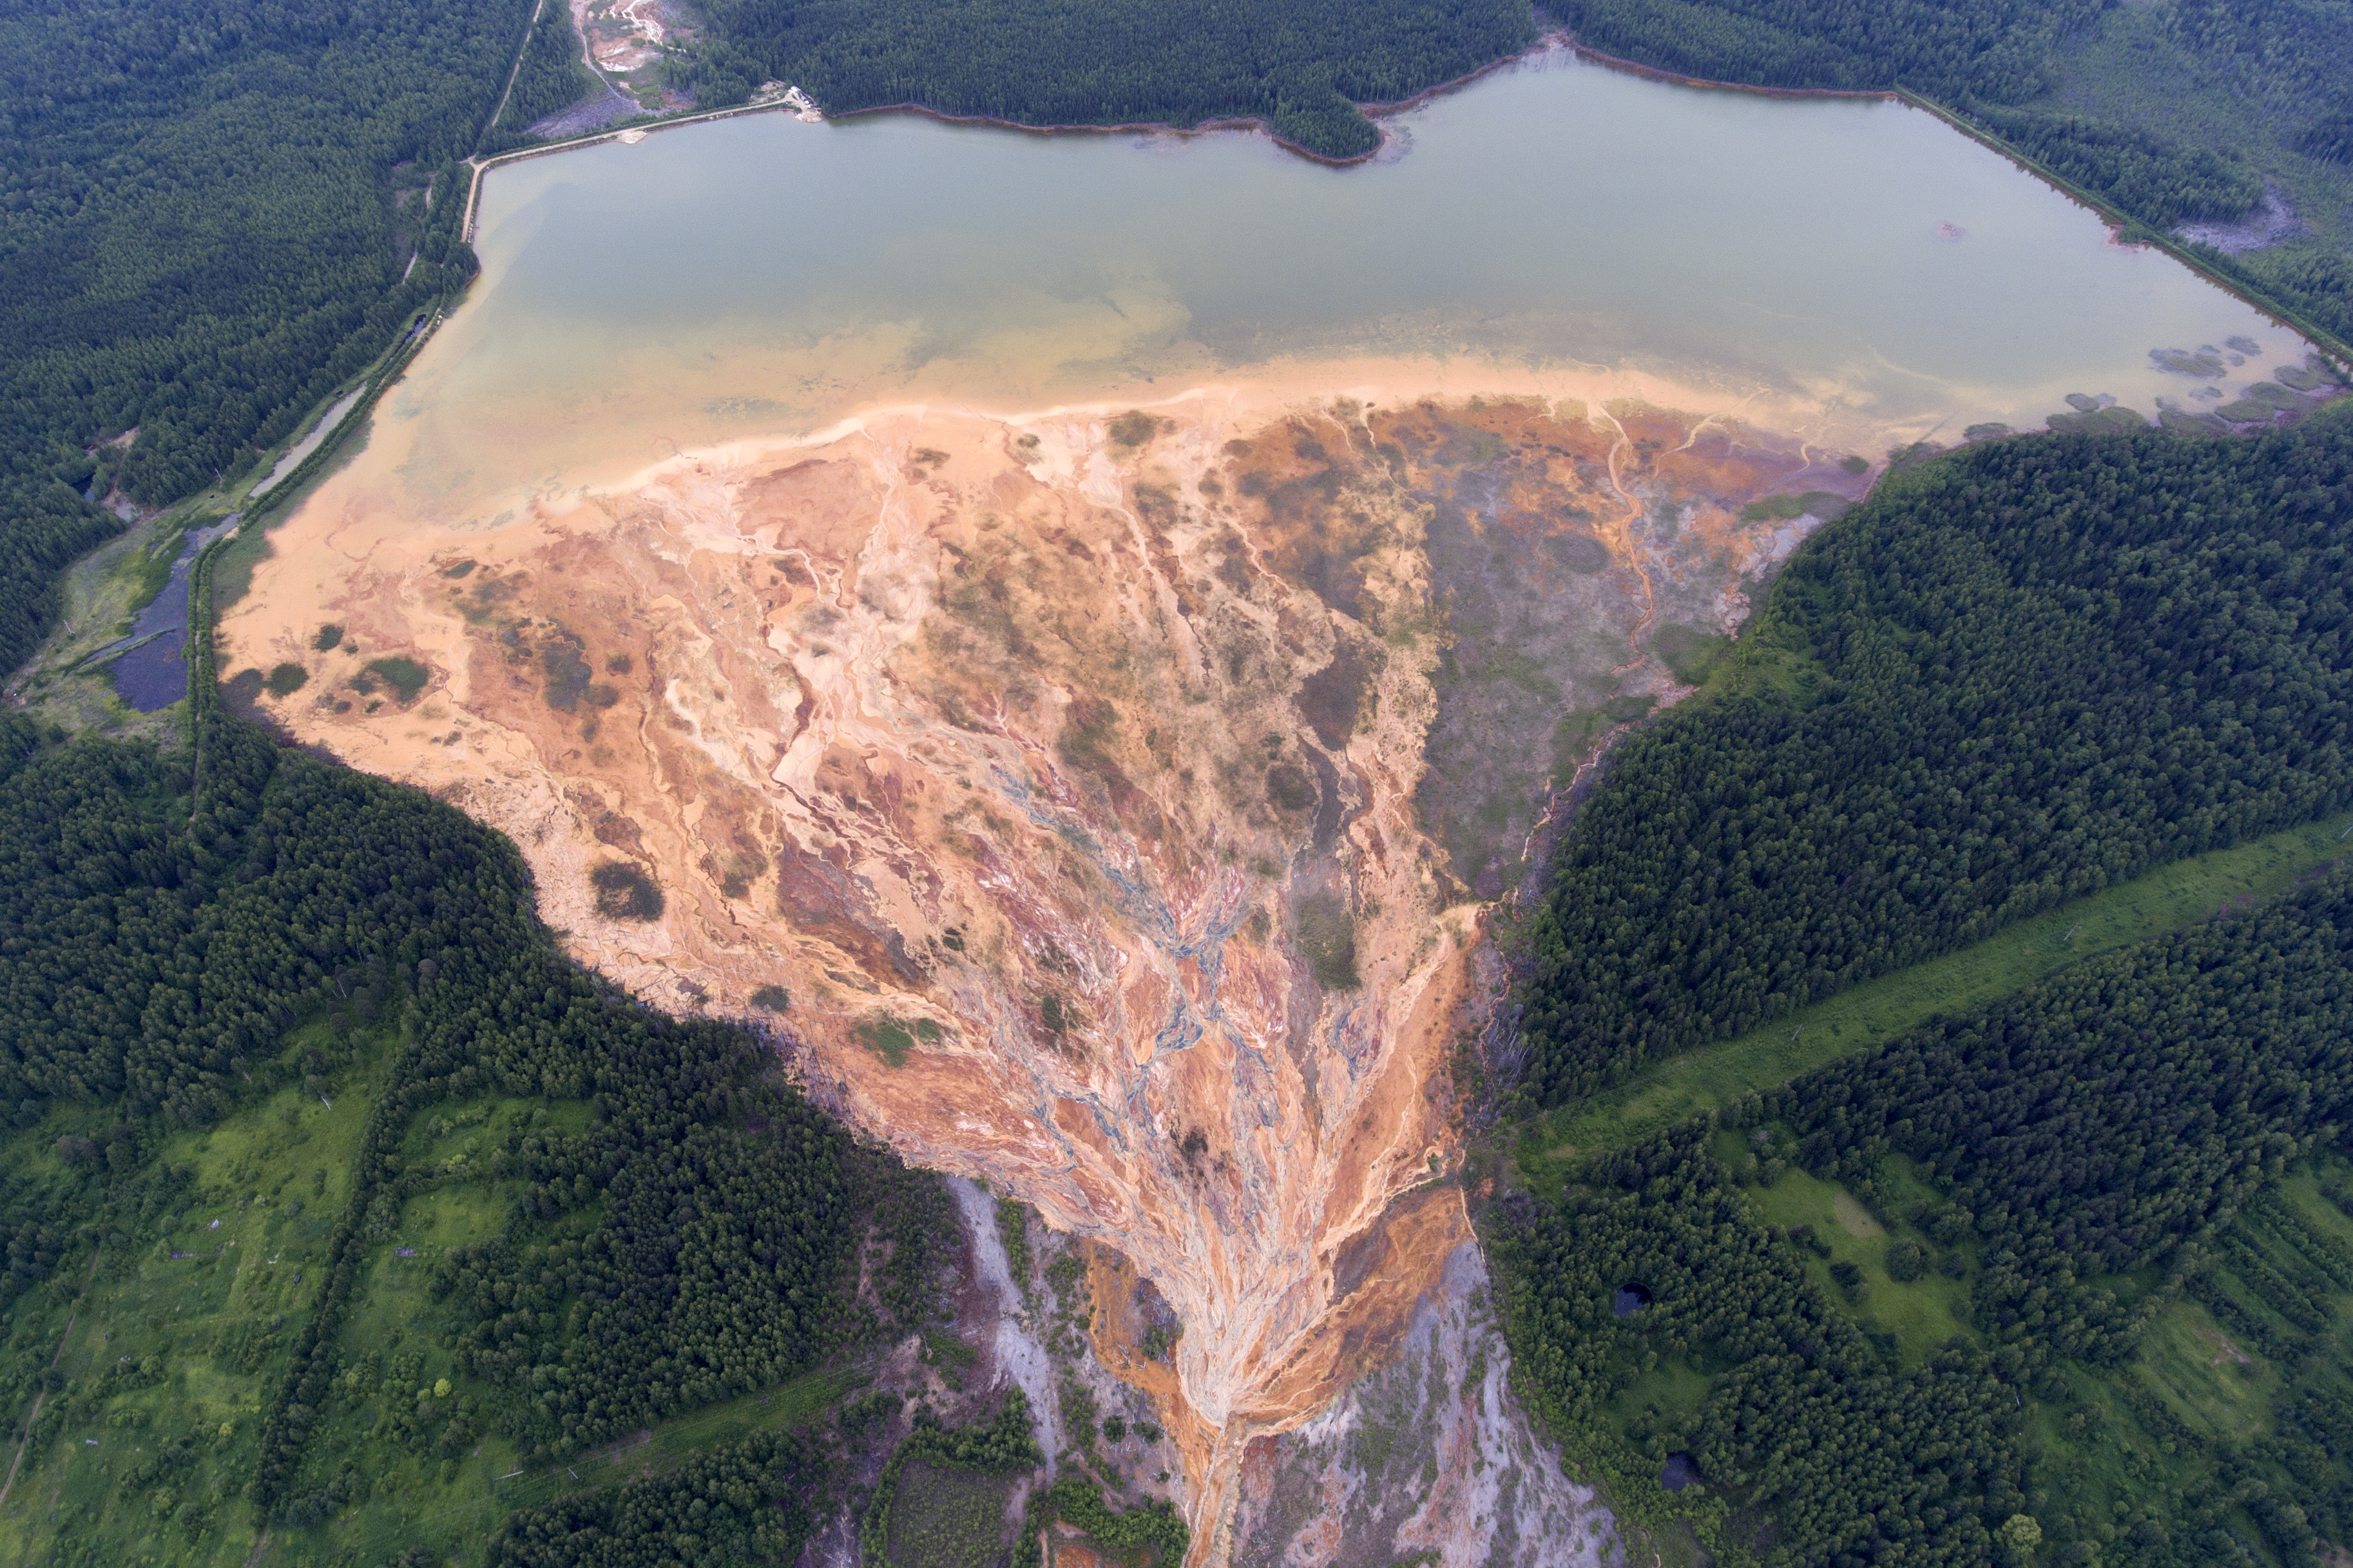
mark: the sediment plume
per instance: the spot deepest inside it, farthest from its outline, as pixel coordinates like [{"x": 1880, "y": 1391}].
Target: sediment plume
[{"x": 1105, "y": 803}]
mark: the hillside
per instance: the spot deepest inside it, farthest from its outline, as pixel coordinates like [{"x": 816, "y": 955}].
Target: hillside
[
  {"x": 2008, "y": 678},
  {"x": 2015, "y": 1224}
]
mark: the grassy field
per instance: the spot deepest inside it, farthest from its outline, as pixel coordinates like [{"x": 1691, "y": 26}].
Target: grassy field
[
  {"x": 170, "y": 1343},
  {"x": 2174, "y": 896},
  {"x": 2197, "y": 1381},
  {"x": 1921, "y": 1314},
  {"x": 410, "y": 1505},
  {"x": 179, "y": 1329},
  {"x": 2101, "y": 1441}
]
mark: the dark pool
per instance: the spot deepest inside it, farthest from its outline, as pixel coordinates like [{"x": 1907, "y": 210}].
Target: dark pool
[
  {"x": 1679, "y": 1472},
  {"x": 154, "y": 673}
]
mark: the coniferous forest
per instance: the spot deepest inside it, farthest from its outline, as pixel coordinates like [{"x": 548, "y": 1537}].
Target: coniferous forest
[
  {"x": 2087, "y": 1164},
  {"x": 2032, "y": 669},
  {"x": 1962, "y": 1294},
  {"x": 210, "y": 216},
  {"x": 1300, "y": 65}
]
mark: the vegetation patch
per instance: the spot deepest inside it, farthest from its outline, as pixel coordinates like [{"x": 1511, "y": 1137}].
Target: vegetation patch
[
  {"x": 939, "y": 1524},
  {"x": 567, "y": 673},
  {"x": 1291, "y": 787},
  {"x": 1333, "y": 699},
  {"x": 1827, "y": 505},
  {"x": 285, "y": 679},
  {"x": 1013, "y": 1233},
  {"x": 148, "y": 569},
  {"x": 1133, "y": 428},
  {"x": 1574, "y": 738},
  {"x": 891, "y": 1038},
  {"x": 405, "y": 676},
  {"x": 1327, "y": 933},
  {"x": 946, "y": 1519},
  {"x": 744, "y": 1501},
  {"x": 1690, "y": 653},
  {"x": 624, "y": 892},
  {"x": 329, "y": 636},
  {"x": 772, "y": 999},
  {"x": 1151, "y": 1528},
  {"x": 1773, "y": 508}
]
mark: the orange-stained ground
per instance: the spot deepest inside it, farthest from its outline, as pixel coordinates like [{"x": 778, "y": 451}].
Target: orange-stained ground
[{"x": 1060, "y": 788}]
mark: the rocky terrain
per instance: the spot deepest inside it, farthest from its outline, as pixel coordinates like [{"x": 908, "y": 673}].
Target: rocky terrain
[{"x": 1107, "y": 805}]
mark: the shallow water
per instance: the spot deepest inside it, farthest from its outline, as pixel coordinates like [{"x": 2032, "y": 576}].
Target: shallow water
[
  {"x": 154, "y": 673},
  {"x": 1845, "y": 268},
  {"x": 309, "y": 443}
]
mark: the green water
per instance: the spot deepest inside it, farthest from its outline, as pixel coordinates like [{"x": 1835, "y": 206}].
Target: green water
[{"x": 1848, "y": 271}]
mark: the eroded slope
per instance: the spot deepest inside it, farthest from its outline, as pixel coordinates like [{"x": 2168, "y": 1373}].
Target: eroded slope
[{"x": 1097, "y": 803}]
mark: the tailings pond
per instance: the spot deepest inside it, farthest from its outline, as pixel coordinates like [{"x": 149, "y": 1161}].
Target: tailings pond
[{"x": 1846, "y": 267}]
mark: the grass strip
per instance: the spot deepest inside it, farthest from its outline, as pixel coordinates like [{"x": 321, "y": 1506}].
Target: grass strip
[
  {"x": 2165, "y": 900},
  {"x": 654, "y": 1453}
]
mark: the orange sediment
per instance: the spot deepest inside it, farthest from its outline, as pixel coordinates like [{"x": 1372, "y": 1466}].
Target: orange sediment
[{"x": 1073, "y": 776}]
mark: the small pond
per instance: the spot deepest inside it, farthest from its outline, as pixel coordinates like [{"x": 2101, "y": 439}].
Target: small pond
[{"x": 152, "y": 673}]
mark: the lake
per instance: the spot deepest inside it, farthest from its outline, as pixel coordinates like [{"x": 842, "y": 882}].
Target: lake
[{"x": 1852, "y": 271}]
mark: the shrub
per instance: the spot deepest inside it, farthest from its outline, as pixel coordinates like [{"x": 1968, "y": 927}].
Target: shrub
[{"x": 624, "y": 892}]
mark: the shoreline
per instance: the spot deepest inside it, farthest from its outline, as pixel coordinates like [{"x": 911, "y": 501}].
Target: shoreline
[
  {"x": 1676, "y": 78},
  {"x": 2121, "y": 226},
  {"x": 2120, "y": 223},
  {"x": 1559, "y": 41},
  {"x": 1550, "y": 43},
  {"x": 468, "y": 226}
]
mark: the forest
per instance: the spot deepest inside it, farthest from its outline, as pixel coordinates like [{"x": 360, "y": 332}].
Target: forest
[
  {"x": 2159, "y": 182},
  {"x": 208, "y": 217},
  {"x": 2061, "y": 1278},
  {"x": 550, "y": 78},
  {"x": 2083, "y": 1167},
  {"x": 643, "y": 1218},
  {"x": 2013, "y": 677},
  {"x": 1946, "y": 49},
  {"x": 1303, "y": 66}
]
